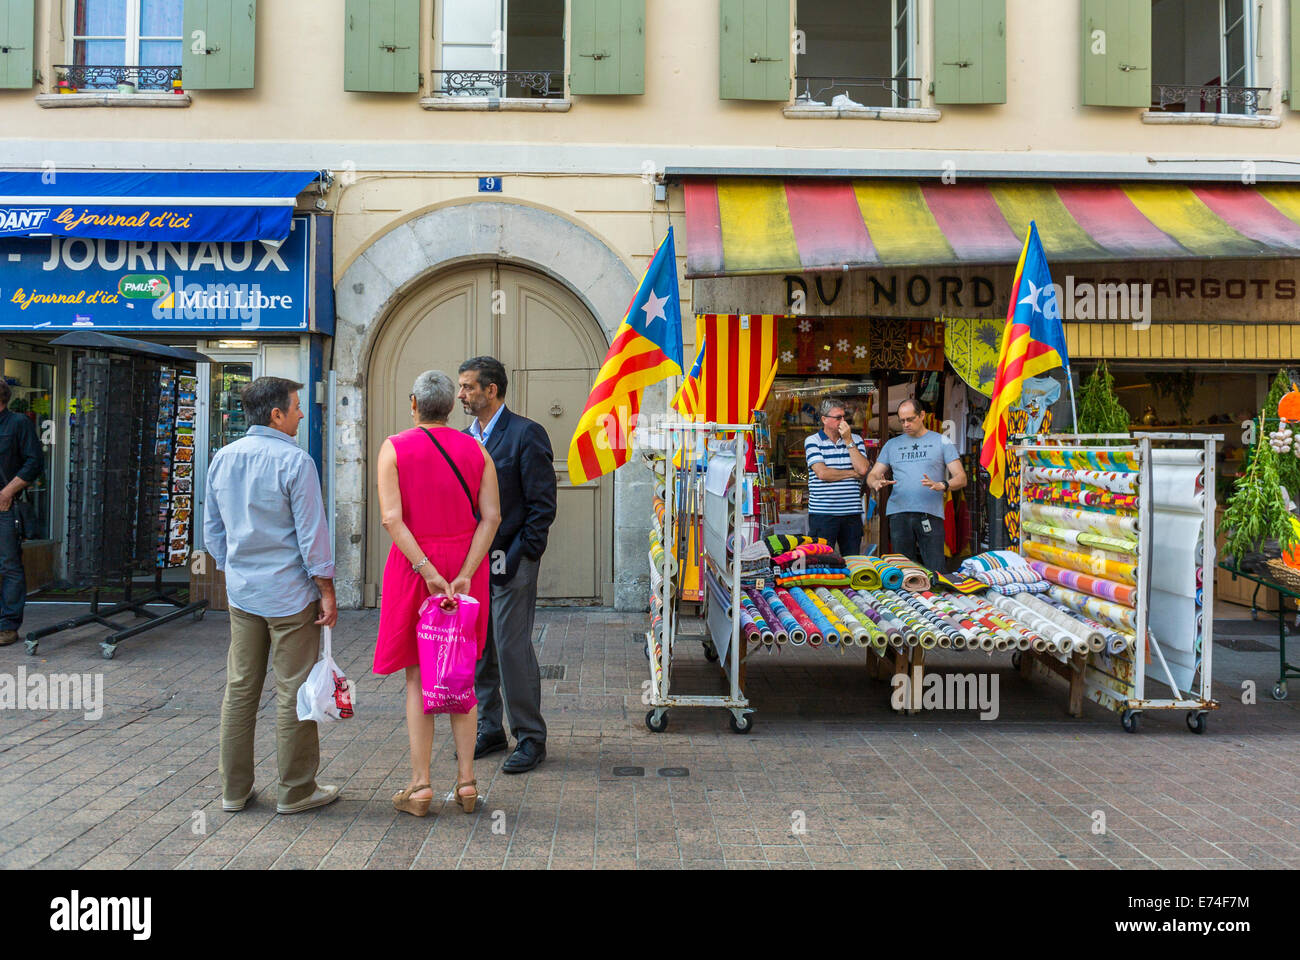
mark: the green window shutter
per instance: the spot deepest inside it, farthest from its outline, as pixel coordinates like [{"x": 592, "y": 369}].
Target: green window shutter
[
  {"x": 970, "y": 51},
  {"x": 1116, "y": 53},
  {"x": 218, "y": 45},
  {"x": 608, "y": 47},
  {"x": 381, "y": 46},
  {"x": 755, "y": 50},
  {"x": 1295, "y": 54},
  {"x": 17, "y": 38}
]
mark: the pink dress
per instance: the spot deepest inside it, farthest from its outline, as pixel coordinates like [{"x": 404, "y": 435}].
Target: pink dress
[{"x": 439, "y": 516}]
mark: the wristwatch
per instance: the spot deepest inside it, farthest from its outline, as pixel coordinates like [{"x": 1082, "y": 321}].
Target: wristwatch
[
  {"x": 945, "y": 486},
  {"x": 416, "y": 566}
]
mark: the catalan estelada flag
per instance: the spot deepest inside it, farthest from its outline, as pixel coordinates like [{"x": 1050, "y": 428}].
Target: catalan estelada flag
[
  {"x": 734, "y": 371},
  {"x": 1032, "y": 343},
  {"x": 647, "y": 348}
]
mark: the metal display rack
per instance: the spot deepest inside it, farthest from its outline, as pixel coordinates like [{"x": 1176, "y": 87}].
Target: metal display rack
[
  {"x": 1197, "y": 701},
  {"x": 681, "y": 444}
]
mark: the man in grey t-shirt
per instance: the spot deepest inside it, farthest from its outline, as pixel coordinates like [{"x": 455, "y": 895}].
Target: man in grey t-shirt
[{"x": 925, "y": 466}]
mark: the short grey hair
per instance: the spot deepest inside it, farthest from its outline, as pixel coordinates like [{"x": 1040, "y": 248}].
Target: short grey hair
[
  {"x": 435, "y": 393},
  {"x": 830, "y": 404}
]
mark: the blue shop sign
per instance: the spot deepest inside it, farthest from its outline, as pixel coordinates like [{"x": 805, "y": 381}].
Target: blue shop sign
[{"x": 68, "y": 283}]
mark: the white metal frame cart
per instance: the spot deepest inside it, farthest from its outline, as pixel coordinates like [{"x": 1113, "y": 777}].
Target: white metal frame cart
[
  {"x": 703, "y": 474},
  {"x": 1174, "y": 575}
]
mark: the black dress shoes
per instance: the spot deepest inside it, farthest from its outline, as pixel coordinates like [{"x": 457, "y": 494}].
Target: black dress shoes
[
  {"x": 493, "y": 743},
  {"x": 528, "y": 754}
]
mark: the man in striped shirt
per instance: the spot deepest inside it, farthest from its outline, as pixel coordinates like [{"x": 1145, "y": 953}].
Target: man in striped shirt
[{"x": 837, "y": 462}]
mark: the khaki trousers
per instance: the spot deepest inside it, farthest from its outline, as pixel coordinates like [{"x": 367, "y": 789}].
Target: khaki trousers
[{"x": 293, "y": 644}]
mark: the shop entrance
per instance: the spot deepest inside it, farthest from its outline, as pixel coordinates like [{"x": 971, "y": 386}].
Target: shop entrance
[{"x": 551, "y": 347}]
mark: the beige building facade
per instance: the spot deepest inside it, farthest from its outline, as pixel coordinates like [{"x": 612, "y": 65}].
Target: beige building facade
[{"x": 432, "y": 265}]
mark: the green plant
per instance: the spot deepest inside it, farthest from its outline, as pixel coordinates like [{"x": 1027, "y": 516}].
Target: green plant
[
  {"x": 1099, "y": 409},
  {"x": 1288, "y": 466},
  {"x": 1177, "y": 385},
  {"x": 1257, "y": 508}
]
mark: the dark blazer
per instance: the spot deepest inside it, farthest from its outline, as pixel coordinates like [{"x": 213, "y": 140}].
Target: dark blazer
[{"x": 521, "y": 452}]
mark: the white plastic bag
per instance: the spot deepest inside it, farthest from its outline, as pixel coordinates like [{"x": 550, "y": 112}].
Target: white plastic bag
[{"x": 326, "y": 694}]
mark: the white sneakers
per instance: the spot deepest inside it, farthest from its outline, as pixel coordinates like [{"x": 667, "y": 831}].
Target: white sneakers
[
  {"x": 322, "y": 796},
  {"x": 234, "y": 806}
]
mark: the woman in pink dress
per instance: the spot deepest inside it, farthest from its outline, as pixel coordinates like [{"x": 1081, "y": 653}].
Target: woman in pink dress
[{"x": 438, "y": 550}]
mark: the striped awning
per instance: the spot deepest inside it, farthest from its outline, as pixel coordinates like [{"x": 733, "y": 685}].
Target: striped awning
[{"x": 737, "y": 226}]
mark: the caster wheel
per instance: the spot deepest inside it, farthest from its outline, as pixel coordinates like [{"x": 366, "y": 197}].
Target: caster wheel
[
  {"x": 656, "y": 726},
  {"x": 1279, "y": 690},
  {"x": 710, "y": 653},
  {"x": 1016, "y": 659},
  {"x": 1129, "y": 720},
  {"x": 741, "y": 724},
  {"x": 32, "y": 646},
  {"x": 107, "y": 650},
  {"x": 198, "y": 614},
  {"x": 1254, "y": 614},
  {"x": 1196, "y": 722}
]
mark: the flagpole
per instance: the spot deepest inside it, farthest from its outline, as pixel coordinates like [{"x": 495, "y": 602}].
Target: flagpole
[{"x": 1074, "y": 404}]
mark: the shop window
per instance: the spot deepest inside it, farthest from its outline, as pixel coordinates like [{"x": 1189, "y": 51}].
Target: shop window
[
  {"x": 862, "y": 50},
  {"x": 125, "y": 45},
  {"x": 501, "y": 48},
  {"x": 1203, "y": 57}
]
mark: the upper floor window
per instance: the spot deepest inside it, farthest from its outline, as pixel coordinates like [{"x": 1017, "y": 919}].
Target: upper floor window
[
  {"x": 861, "y": 50},
  {"x": 501, "y": 48},
  {"x": 125, "y": 34},
  {"x": 1203, "y": 56}
]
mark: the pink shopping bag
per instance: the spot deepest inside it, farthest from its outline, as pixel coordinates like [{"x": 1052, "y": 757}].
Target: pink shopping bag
[{"x": 448, "y": 646}]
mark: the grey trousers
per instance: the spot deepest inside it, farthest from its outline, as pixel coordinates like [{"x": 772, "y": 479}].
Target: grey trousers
[{"x": 509, "y": 663}]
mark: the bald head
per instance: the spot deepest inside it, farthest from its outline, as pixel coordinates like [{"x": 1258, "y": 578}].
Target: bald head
[{"x": 911, "y": 416}]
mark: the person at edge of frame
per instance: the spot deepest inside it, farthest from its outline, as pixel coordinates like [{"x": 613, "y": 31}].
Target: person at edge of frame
[
  {"x": 521, "y": 451},
  {"x": 925, "y": 466},
  {"x": 21, "y": 465}
]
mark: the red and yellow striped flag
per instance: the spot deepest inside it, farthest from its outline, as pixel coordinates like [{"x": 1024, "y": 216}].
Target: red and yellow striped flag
[{"x": 734, "y": 371}]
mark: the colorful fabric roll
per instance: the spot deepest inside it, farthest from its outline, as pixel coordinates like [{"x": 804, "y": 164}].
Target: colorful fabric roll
[
  {"x": 789, "y": 625},
  {"x": 891, "y": 577},
  {"x": 783, "y": 542},
  {"x": 1079, "y": 538},
  {"x": 769, "y": 614},
  {"x": 992, "y": 560},
  {"x": 1090, "y": 521},
  {"x": 815, "y": 577},
  {"x": 808, "y": 551},
  {"x": 864, "y": 601},
  {"x": 1055, "y": 493},
  {"x": 915, "y": 576},
  {"x": 862, "y": 574},
  {"x": 876, "y": 637},
  {"x": 1097, "y": 564},
  {"x": 838, "y": 629},
  {"x": 1108, "y": 612},
  {"x": 823, "y": 628},
  {"x": 1114, "y": 481},
  {"x": 1084, "y": 583},
  {"x": 810, "y": 629},
  {"x": 1011, "y": 589},
  {"x": 1005, "y": 575},
  {"x": 1086, "y": 459}
]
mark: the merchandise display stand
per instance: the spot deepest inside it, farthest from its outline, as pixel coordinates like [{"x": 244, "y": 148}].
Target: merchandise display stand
[
  {"x": 1286, "y": 670},
  {"x": 702, "y": 475},
  {"x": 1123, "y": 527}
]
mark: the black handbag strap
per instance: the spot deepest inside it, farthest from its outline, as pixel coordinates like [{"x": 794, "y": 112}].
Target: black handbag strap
[{"x": 456, "y": 470}]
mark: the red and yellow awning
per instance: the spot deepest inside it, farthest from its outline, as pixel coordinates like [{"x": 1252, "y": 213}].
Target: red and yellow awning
[{"x": 754, "y": 225}]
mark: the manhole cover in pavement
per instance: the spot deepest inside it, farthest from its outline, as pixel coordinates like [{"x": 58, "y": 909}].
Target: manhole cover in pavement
[
  {"x": 552, "y": 671},
  {"x": 629, "y": 771},
  {"x": 674, "y": 772}
]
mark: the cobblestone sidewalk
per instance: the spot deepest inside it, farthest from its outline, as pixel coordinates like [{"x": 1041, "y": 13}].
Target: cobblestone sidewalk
[{"x": 828, "y": 778}]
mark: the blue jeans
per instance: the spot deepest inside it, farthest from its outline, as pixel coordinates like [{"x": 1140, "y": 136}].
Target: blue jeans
[
  {"x": 844, "y": 530},
  {"x": 13, "y": 581}
]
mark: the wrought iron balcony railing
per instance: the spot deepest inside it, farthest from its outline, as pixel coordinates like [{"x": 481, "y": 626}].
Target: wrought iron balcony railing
[
  {"x": 1213, "y": 97},
  {"x": 91, "y": 77},
  {"x": 901, "y": 91},
  {"x": 498, "y": 83}
]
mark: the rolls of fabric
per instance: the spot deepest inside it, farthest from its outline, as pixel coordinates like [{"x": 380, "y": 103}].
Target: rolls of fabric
[
  {"x": 1084, "y": 458},
  {"x": 915, "y": 577},
  {"x": 1089, "y": 638},
  {"x": 947, "y": 635},
  {"x": 765, "y": 632},
  {"x": 793, "y": 632},
  {"x": 856, "y": 631},
  {"x": 1096, "y": 564},
  {"x": 1071, "y": 496},
  {"x": 1123, "y": 593},
  {"x": 968, "y": 632},
  {"x": 1089, "y": 521},
  {"x": 991, "y": 560},
  {"x": 875, "y": 637},
  {"x": 1113, "y": 481},
  {"x": 824, "y": 629},
  {"x": 891, "y": 577},
  {"x": 863, "y": 574},
  {"x": 1079, "y": 539},
  {"x": 777, "y": 625},
  {"x": 812, "y": 634},
  {"x": 1116, "y": 615},
  {"x": 839, "y": 631},
  {"x": 1061, "y": 640},
  {"x": 892, "y": 631}
]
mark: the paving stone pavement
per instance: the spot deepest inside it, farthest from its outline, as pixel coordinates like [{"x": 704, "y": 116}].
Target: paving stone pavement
[{"x": 829, "y": 777}]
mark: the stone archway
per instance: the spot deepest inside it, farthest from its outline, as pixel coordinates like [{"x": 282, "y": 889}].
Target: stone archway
[{"x": 401, "y": 258}]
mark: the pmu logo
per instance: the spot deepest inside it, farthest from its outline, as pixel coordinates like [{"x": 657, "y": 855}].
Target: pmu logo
[{"x": 22, "y": 219}]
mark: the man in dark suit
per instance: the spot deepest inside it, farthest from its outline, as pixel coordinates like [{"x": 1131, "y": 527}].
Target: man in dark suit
[{"x": 521, "y": 451}]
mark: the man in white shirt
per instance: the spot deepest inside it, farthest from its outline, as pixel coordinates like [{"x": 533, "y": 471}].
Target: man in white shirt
[{"x": 837, "y": 462}]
